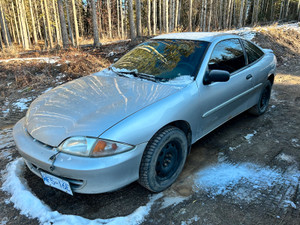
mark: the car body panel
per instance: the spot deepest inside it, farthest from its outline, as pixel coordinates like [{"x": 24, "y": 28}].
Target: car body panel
[{"x": 90, "y": 105}]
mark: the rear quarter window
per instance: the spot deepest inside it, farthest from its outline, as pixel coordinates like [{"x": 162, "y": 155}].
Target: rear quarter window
[{"x": 252, "y": 51}]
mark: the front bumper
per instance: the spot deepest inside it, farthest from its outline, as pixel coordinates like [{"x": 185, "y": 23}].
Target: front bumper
[{"x": 85, "y": 174}]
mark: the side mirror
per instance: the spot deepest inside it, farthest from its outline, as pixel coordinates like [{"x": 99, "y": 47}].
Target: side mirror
[{"x": 216, "y": 76}]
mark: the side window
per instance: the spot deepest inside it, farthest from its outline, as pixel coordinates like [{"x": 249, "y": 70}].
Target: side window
[
  {"x": 227, "y": 55},
  {"x": 253, "y": 52}
]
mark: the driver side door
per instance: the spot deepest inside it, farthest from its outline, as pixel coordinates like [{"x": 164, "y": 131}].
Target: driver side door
[{"x": 220, "y": 101}]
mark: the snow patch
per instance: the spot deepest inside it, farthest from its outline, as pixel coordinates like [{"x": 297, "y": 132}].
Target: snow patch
[
  {"x": 110, "y": 54},
  {"x": 248, "y": 137},
  {"x": 29, "y": 205},
  {"x": 234, "y": 148},
  {"x": 190, "y": 221},
  {"x": 168, "y": 201},
  {"x": 50, "y": 60},
  {"x": 4, "y": 221},
  {"x": 284, "y": 157},
  {"x": 22, "y": 103},
  {"x": 295, "y": 142},
  {"x": 245, "y": 32},
  {"x": 245, "y": 181},
  {"x": 6, "y": 140}
]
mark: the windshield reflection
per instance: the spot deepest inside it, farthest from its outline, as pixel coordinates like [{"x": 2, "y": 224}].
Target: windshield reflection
[{"x": 164, "y": 59}]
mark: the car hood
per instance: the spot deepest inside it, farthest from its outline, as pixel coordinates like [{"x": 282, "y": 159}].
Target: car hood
[{"x": 89, "y": 106}]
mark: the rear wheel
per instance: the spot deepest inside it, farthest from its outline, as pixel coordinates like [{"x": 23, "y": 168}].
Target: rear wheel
[
  {"x": 263, "y": 102},
  {"x": 163, "y": 159}
]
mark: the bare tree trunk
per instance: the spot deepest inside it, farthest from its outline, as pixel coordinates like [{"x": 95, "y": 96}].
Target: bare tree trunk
[
  {"x": 56, "y": 24},
  {"x": 95, "y": 25},
  {"x": 167, "y": 15},
  {"x": 204, "y": 15},
  {"x": 176, "y": 14},
  {"x": 80, "y": 20},
  {"x": 99, "y": 19},
  {"x": 210, "y": 15},
  {"x": 16, "y": 24},
  {"x": 33, "y": 23},
  {"x": 122, "y": 19},
  {"x": 63, "y": 24},
  {"x": 45, "y": 25},
  {"x": 190, "y": 15},
  {"x": 257, "y": 11},
  {"x": 48, "y": 24},
  {"x": 149, "y": 17},
  {"x": 109, "y": 18},
  {"x": 160, "y": 19},
  {"x": 118, "y": 18},
  {"x": 221, "y": 15},
  {"x": 131, "y": 22},
  {"x": 69, "y": 24},
  {"x": 224, "y": 13},
  {"x": 298, "y": 10},
  {"x": 240, "y": 24},
  {"x": 37, "y": 20},
  {"x": 138, "y": 18},
  {"x": 173, "y": 14},
  {"x": 287, "y": 9},
  {"x": 3, "y": 26},
  {"x": 247, "y": 9},
  {"x": 154, "y": 16},
  {"x": 231, "y": 13},
  {"x": 24, "y": 28},
  {"x": 75, "y": 24}
]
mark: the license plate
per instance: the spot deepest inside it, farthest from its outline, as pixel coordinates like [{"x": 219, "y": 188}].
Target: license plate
[{"x": 56, "y": 182}]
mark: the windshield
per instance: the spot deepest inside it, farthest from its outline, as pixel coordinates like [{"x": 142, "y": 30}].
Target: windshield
[{"x": 163, "y": 59}]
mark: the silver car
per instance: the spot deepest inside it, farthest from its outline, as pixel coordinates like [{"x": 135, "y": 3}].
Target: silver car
[{"x": 138, "y": 119}]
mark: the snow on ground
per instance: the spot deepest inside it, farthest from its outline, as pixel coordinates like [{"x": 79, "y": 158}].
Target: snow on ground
[
  {"x": 22, "y": 103},
  {"x": 31, "y": 206},
  {"x": 248, "y": 137},
  {"x": 175, "y": 200},
  {"x": 234, "y": 148},
  {"x": 286, "y": 158},
  {"x": 295, "y": 142},
  {"x": 6, "y": 141},
  {"x": 245, "y": 181},
  {"x": 190, "y": 221},
  {"x": 50, "y": 60},
  {"x": 246, "y": 32}
]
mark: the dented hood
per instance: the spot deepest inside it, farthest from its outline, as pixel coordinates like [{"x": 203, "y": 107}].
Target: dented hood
[{"x": 89, "y": 106}]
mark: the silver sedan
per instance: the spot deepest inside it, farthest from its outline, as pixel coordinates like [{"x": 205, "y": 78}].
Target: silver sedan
[{"x": 137, "y": 119}]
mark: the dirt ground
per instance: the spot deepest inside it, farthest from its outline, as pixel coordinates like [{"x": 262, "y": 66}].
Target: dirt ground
[{"x": 274, "y": 136}]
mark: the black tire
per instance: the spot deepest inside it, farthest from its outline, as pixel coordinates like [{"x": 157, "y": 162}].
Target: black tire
[
  {"x": 263, "y": 102},
  {"x": 163, "y": 159}
]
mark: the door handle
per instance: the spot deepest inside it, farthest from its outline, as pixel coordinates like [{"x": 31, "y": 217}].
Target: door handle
[{"x": 249, "y": 76}]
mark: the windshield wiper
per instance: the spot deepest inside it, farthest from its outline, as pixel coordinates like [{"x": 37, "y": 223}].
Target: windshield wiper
[{"x": 135, "y": 74}]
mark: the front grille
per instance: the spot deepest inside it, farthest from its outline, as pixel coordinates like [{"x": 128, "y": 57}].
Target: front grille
[{"x": 74, "y": 183}]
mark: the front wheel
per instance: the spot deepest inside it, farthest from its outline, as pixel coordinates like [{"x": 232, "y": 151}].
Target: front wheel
[
  {"x": 163, "y": 159},
  {"x": 263, "y": 102}
]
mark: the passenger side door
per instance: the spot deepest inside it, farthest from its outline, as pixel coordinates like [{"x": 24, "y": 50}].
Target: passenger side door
[{"x": 220, "y": 101}]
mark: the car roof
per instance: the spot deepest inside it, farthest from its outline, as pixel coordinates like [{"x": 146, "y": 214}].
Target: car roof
[{"x": 197, "y": 36}]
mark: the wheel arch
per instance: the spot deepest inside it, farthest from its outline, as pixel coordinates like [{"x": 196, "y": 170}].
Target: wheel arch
[
  {"x": 271, "y": 78},
  {"x": 182, "y": 125}
]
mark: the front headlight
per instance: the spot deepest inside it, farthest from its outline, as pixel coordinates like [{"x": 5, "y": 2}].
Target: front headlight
[{"x": 93, "y": 147}]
